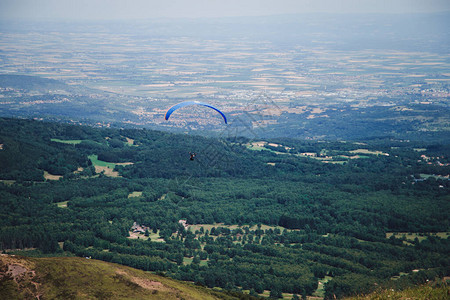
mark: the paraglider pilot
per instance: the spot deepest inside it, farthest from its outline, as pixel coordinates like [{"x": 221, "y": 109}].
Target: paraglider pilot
[{"x": 192, "y": 154}]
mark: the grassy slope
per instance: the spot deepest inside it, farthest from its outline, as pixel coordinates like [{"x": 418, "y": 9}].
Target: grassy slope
[
  {"x": 425, "y": 292},
  {"x": 81, "y": 278}
]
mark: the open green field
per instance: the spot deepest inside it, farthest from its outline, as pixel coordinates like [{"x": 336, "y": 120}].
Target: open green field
[
  {"x": 155, "y": 237},
  {"x": 96, "y": 162},
  {"x": 70, "y": 142},
  {"x": 62, "y": 204},
  {"x": 188, "y": 261},
  {"x": 366, "y": 151}
]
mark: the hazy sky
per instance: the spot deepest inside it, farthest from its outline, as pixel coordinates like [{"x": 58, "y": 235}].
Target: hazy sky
[{"x": 145, "y": 9}]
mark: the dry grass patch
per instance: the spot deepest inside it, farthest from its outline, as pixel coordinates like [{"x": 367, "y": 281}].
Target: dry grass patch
[
  {"x": 107, "y": 171},
  {"x": 135, "y": 194},
  {"x": 49, "y": 176}
]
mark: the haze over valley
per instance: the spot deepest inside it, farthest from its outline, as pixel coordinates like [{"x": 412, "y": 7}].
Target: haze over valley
[{"x": 281, "y": 76}]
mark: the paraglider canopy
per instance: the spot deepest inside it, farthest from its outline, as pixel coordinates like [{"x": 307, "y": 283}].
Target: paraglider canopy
[{"x": 186, "y": 103}]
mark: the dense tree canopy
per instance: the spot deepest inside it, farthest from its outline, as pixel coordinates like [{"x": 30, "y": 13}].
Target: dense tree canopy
[{"x": 277, "y": 220}]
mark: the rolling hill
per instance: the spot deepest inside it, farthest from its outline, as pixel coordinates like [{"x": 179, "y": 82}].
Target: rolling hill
[{"x": 81, "y": 278}]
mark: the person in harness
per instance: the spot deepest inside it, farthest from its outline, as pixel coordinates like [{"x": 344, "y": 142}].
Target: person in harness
[{"x": 192, "y": 154}]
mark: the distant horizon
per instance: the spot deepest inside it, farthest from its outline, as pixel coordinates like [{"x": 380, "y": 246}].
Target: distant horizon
[
  {"x": 140, "y": 10},
  {"x": 163, "y": 19}
]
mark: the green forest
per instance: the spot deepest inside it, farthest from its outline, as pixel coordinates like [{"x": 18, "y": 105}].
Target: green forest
[{"x": 288, "y": 216}]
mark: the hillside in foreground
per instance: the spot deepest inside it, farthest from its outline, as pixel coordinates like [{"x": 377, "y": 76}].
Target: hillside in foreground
[
  {"x": 81, "y": 278},
  {"x": 435, "y": 291}
]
